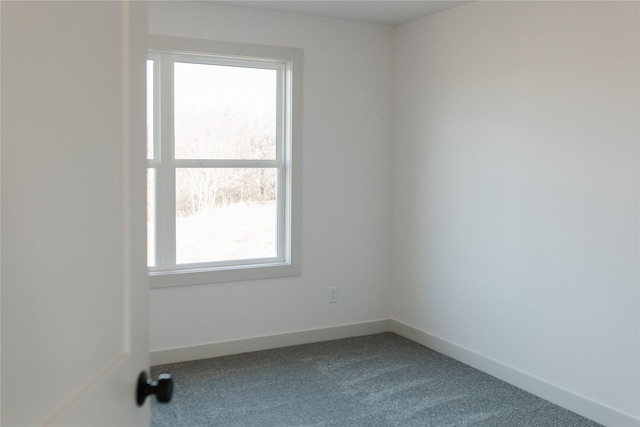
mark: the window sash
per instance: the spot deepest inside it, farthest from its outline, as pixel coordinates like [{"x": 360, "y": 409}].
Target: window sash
[{"x": 164, "y": 163}]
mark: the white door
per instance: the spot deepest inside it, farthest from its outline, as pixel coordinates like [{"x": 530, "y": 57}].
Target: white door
[{"x": 74, "y": 307}]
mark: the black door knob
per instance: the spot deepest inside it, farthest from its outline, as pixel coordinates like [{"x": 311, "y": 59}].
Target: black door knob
[{"x": 163, "y": 388}]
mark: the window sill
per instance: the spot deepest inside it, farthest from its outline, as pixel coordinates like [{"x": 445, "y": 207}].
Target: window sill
[{"x": 167, "y": 279}]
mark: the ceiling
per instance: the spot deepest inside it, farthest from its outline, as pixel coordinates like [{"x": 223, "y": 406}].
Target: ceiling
[{"x": 389, "y": 12}]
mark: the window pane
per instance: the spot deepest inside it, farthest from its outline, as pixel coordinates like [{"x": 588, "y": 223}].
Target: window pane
[
  {"x": 224, "y": 112},
  {"x": 150, "y": 122},
  {"x": 151, "y": 217},
  {"x": 225, "y": 214}
]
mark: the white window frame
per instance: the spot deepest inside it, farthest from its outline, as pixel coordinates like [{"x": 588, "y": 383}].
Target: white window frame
[{"x": 288, "y": 61}]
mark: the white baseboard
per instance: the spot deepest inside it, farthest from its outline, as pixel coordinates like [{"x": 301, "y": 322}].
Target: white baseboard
[
  {"x": 581, "y": 405},
  {"x": 183, "y": 354}
]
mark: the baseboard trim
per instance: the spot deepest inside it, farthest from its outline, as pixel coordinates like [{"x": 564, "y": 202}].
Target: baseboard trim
[
  {"x": 581, "y": 405},
  {"x": 226, "y": 348}
]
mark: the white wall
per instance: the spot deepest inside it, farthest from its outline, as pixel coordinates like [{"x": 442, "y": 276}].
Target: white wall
[
  {"x": 515, "y": 198},
  {"x": 346, "y": 183}
]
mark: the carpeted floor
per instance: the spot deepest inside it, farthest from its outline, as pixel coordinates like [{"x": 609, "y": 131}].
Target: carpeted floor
[{"x": 377, "y": 380}]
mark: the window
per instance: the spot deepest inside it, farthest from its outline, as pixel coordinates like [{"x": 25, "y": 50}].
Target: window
[{"x": 223, "y": 150}]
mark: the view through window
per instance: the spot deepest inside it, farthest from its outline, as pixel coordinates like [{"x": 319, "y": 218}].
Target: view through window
[{"x": 219, "y": 162}]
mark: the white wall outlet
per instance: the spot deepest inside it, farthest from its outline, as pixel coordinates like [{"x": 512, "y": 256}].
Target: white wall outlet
[{"x": 333, "y": 295}]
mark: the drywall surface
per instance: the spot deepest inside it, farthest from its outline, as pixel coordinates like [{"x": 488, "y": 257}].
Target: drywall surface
[
  {"x": 515, "y": 198},
  {"x": 346, "y": 181}
]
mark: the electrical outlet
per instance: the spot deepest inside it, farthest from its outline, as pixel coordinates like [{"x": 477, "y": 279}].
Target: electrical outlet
[{"x": 333, "y": 295}]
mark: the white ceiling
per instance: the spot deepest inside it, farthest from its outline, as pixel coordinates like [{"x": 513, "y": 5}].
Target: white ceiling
[{"x": 389, "y": 12}]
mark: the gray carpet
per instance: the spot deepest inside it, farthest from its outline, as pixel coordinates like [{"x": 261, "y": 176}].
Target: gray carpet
[{"x": 377, "y": 380}]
